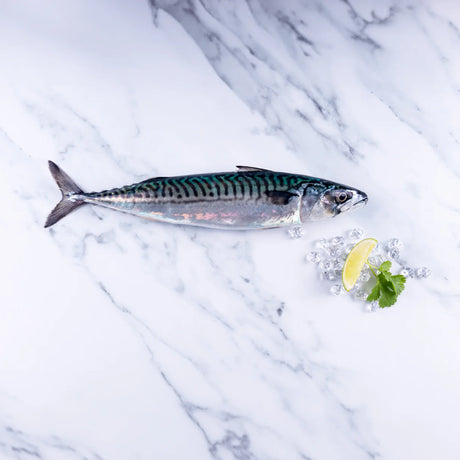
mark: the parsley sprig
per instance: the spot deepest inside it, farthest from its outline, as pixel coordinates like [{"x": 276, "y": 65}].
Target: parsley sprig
[{"x": 388, "y": 286}]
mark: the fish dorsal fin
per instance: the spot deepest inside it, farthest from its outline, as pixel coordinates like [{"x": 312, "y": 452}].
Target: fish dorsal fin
[{"x": 250, "y": 169}]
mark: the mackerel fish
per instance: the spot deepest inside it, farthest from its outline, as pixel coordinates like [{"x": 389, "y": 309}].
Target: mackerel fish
[{"x": 249, "y": 198}]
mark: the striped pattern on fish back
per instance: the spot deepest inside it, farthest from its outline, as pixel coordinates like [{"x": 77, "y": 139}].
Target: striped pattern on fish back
[{"x": 203, "y": 187}]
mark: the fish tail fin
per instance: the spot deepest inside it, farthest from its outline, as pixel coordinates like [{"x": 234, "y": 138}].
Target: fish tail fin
[{"x": 69, "y": 190}]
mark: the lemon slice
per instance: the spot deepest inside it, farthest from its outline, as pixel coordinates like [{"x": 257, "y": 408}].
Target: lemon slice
[{"x": 355, "y": 261}]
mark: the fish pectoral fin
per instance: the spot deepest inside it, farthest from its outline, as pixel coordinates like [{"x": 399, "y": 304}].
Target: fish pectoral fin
[
  {"x": 250, "y": 169},
  {"x": 280, "y": 197}
]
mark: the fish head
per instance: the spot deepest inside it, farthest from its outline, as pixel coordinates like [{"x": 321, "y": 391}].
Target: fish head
[{"x": 328, "y": 199}]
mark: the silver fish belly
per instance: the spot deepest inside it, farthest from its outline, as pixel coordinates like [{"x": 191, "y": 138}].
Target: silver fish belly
[{"x": 250, "y": 198}]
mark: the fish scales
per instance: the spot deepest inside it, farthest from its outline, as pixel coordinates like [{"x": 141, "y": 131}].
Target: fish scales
[
  {"x": 189, "y": 188},
  {"x": 249, "y": 198}
]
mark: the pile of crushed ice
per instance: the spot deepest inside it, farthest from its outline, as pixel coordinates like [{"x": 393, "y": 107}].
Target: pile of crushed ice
[{"x": 329, "y": 255}]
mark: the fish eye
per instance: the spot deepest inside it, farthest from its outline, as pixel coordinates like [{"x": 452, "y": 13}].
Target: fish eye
[{"x": 341, "y": 197}]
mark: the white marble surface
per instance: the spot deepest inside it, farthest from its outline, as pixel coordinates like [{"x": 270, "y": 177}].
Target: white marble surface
[{"x": 126, "y": 339}]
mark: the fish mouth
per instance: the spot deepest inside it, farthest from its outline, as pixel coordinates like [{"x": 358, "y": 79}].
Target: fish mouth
[{"x": 359, "y": 200}]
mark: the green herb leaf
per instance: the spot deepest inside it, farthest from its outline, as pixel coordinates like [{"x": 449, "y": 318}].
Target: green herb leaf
[
  {"x": 385, "y": 267},
  {"x": 388, "y": 294},
  {"x": 387, "y": 287},
  {"x": 374, "y": 294},
  {"x": 399, "y": 282}
]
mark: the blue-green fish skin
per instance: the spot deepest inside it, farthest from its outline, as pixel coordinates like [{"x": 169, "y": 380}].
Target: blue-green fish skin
[{"x": 249, "y": 198}]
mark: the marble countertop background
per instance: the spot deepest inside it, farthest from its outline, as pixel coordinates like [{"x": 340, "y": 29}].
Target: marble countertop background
[{"x": 126, "y": 339}]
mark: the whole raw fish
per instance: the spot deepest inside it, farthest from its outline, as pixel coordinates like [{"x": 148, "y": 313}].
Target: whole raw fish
[{"x": 249, "y": 198}]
